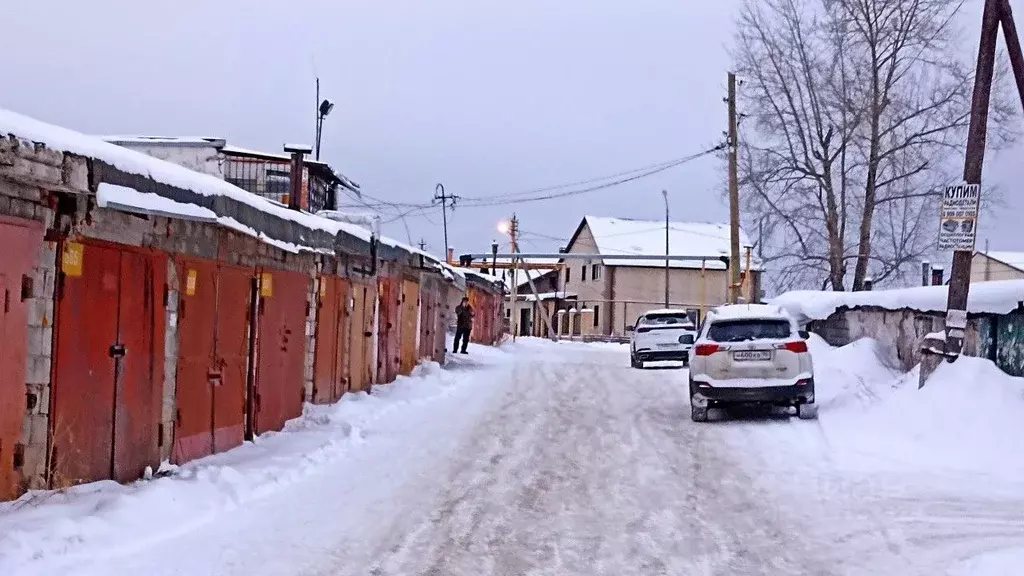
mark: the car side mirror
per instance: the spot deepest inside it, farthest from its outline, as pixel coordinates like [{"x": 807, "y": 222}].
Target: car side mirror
[
  {"x": 805, "y": 334},
  {"x": 629, "y": 328}
]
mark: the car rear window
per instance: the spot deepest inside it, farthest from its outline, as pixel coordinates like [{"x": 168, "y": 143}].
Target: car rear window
[
  {"x": 666, "y": 320},
  {"x": 750, "y": 329}
]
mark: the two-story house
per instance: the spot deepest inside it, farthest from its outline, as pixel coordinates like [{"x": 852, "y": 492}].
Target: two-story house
[{"x": 619, "y": 290}]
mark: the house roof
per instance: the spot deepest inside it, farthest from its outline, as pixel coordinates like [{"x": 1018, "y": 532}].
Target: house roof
[
  {"x": 622, "y": 236},
  {"x": 1011, "y": 259}
]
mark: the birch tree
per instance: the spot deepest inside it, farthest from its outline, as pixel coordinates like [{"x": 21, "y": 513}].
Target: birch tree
[{"x": 856, "y": 114}]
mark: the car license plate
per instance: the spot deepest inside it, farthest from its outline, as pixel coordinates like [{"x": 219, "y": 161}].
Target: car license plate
[
  {"x": 751, "y": 355},
  {"x": 668, "y": 345}
]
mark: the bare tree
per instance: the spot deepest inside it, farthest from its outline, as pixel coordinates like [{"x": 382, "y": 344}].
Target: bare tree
[{"x": 858, "y": 108}]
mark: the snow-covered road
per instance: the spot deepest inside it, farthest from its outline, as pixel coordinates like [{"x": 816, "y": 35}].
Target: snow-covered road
[{"x": 561, "y": 460}]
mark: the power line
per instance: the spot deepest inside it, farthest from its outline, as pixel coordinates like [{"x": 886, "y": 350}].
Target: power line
[
  {"x": 657, "y": 166},
  {"x": 501, "y": 201}
]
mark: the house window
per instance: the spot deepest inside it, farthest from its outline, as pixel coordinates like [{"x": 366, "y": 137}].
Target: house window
[
  {"x": 595, "y": 272},
  {"x": 597, "y": 315},
  {"x": 583, "y": 273},
  {"x": 567, "y": 271}
]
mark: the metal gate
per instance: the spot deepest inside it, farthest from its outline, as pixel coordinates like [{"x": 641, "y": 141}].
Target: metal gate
[
  {"x": 330, "y": 374},
  {"x": 279, "y": 390},
  {"x": 213, "y": 331},
  {"x": 21, "y": 241},
  {"x": 410, "y": 322},
  {"x": 108, "y": 379}
]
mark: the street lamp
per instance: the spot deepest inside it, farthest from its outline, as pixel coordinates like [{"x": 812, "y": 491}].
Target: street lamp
[
  {"x": 504, "y": 227},
  {"x": 324, "y": 109}
]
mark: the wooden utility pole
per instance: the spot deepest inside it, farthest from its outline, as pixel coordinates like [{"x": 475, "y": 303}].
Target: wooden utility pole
[
  {"x": 734, "y": 196},
  {"x": 513, "y": 232},
  {"x": 960, "y": 276},
  {"x": 445, "y": 200}
]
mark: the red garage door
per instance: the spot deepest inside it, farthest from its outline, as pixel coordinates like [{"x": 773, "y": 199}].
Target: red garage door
[
  {"x": 282, "y": 348},
  {"x": 108, "y": 382},
  {"x": 21, "y": 241},
  {"x": 213, "y": 351}
]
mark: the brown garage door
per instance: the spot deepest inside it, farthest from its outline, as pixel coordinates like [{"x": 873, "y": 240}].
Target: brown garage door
[
  {"x": 108, "y": 379},
  {"x": 360, "y": 354},
  {"x": 21, "y": 241},
  {"x": 410, "y": 322},
  {"x": 330, "y": 378}
]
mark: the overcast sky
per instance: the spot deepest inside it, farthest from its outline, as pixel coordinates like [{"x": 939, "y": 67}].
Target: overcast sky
[{"x": 487, "y": 97}]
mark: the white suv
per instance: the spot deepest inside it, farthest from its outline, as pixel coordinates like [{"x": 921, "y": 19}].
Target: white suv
[
  {"x": 751, "y": 354},
  {"x": 661, "y": 335}
]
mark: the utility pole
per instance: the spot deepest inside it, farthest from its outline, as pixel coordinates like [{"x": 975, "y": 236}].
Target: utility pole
[
  {"x": 960, "y": 276},
  {"x": 664, "y": 194},
  {"x": 444, "y": 199},
  {"x": 513, "y": 232},
  {"x": 734, "y": 195}
]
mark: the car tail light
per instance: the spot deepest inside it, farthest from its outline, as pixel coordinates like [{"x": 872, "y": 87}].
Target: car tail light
[
  {"x": 799, "y": 346},
  {"x": 706, "y": 349},
  {"x": 804, "y": 382}
]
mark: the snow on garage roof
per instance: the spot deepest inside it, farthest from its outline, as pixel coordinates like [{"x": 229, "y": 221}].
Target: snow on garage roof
[
  {"x": 996, "y": 297},
  {"x": 647, "y": 237},
  {"x": 133, "y": 162},
  {"x": 139, "y": 164}
]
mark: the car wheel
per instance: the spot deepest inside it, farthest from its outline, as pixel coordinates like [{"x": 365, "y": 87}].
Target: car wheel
[
  {"x": 632, "y": 361},
  {"x": 699, "y": 413},
  {"x": 807, "y": 411}
]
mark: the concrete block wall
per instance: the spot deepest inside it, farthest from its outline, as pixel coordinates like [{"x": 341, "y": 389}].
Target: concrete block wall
[
  {"x": 35, "y": 426},
  {"x": 900, "y": 332},
  {"x": 314, "y": 304},
  {"x": 169, "y": 405}
]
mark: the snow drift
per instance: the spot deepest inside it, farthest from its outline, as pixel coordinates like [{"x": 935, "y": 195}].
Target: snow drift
[{"x": 966, "y": 418}]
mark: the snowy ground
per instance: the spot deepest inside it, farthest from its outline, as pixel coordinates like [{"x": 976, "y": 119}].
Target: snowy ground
[{"x": 558, "y": 459}]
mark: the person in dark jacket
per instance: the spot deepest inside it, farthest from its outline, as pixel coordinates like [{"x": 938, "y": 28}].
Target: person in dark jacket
[{"x": 463, "y": 325}]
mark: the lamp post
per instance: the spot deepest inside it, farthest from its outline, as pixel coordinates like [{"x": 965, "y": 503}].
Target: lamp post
[
  {"x": 664, "y": 195},
  {"x": 324, "y": 108}
]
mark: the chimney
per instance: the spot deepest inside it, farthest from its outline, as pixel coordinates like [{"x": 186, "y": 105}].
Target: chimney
[
  {"x": 451, "y": 255},
  {"x": 869, "y": 283},
  {"x": 297, "y": 199}
]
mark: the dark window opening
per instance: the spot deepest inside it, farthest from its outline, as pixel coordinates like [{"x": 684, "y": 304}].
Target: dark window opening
[{"x": 597, "y": 316}]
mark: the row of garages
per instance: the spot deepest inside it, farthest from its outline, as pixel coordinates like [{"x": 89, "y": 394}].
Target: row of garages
[{"x": 150, "y": 314}]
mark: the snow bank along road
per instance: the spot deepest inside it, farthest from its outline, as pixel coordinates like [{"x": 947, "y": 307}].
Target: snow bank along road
[{"x": 558, "y": 459}]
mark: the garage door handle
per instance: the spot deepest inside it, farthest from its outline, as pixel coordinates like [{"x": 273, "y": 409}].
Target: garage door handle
[{"x": 117, "y": 351}]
